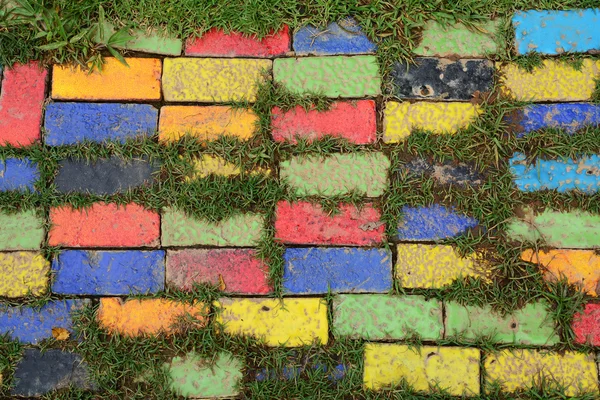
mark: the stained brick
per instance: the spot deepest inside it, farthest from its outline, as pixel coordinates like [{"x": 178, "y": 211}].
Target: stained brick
[
  {"x": 441, "y": 40},
  {"x": 16, "y": 174},
  {"x": 290, "y": 371},
  {"x": 23, "y": 273},
  {"x": 569, "y": 117},
  {"x": 207, "y": 165},
  {"x": 343, "y": 37},
  {"x": 21, "y": 231},
  {"x": 143, "y": 41},
  {"x": 432, "y": 223},
  {"x": 447, "y": 173},
  {"x": 217, "y": 43},
  {"x": 586, "y": 325}
]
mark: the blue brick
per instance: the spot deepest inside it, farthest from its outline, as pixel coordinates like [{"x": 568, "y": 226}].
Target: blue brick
[
  {"x": 18, "y": 174},
  {"x": 345, "y": 37},
  {"x": 344, "y": 270},
  {"x": 293, "y": 372},
  {"x": 569, "y": 117},
  {"x": 114, "y": 273},
  {"x": 71, "y": 123},
  {"x": 432, "y": 223}
]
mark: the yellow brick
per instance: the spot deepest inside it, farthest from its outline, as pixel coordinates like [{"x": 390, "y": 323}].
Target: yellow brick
[
  {"x": 523, "y": 369},
  {"x": 290, "y": 322},
  {"x": 22, "y": 273},
  {"x": 213, "y": 79},
  {"x": 454, "y": 369},
  {"x": 556, "y": 81},
  {"x": 139, "y": 81},
  {"x": 399, "y": 119},
  {"x": 211, "y": 165}
]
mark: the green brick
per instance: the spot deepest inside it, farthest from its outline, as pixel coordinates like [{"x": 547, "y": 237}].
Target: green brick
[
  {"x": 337, "y": 174},
  {"x": 21, "y": 231},
  {"x": 444, "y": 41},
  {"x": 385, "y": 317},
  {"x": 145, "y": 42}
]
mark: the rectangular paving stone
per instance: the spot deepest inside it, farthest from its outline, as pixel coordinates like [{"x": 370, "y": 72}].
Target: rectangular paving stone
[
  {"x": 335, "y": 76},
  {"x": 114, "y": 273},
  {"x": 213, "y": 79},
  {"x": 143, "y": 41},
  {"x": 586, "y": 325},
  {"x": 569, "y": 117},
  {"x": 455, "y": 369},
  {"x": 290, "y": 322},
  {"x": 291, "y": 371},
  {"x": 18, "y": 174},
  {"x": 23, "y": 273},
  {"x": 446, "y": 173},
  {"x": 140, "y": 80},
  {"x": 21, "y": 231},
  {"x": 207, "y": 165},
  {"x": 432, "y": 223},
  {"x": 440, "y": 40},
  {"x": 217, "y": 43},
  {"x": 385, "y": 317},
  {"x": 342, "y": 37}
]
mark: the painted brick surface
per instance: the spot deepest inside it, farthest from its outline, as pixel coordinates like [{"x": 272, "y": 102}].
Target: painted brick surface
[
  {"x": 291, "y": 321},
  {"x": 442, "y": 79},
  {"x": 81, "y": 272},
  {"x": 21, "y": 231},
  {"x": 586, "y": 325},
  {"x": 354, "y": 121},
  {"x": 455, "y": 369},
  {"x": 138, "y": 81},
  {"x": 343, "y": 37},
  {"x": 457, "y": 40},
  {"x": 23, "y": 273},
  {"x": 16, "y": 174},
  {"x": 234, "y": 270},
  {"x": 335, "y": 76},
  {"x": 143, "y": 41},
  {"x": 104, "y": 225},
  {"x": 307, "y": 223},
  {"x": 570, "y": 117},
  {"x": 337, "y": 174},
  {"x": 317, "y": 270},
  {"x": 21, "y": 103},
  {"x": 386, "y": 317},
  {"x": 213, "y": 79},
  {"x": 447, "y": 173},
  {"x": 400, "y": 119},
  {"x": 208, "y": 165},
  {"x": 289, "y": 371},
  {"x": 217, "y": 43},
  {"x": 432, "y": 223},
  {"x": 72, "y": 123}
]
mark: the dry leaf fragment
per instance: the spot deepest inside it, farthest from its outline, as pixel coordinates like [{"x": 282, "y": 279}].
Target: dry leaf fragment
[{"x": 60, "y": 333}]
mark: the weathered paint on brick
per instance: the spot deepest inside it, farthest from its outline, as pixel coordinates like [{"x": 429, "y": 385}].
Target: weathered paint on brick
[
  {"x": 570, "y": 117},
  {"x": 586, "y": 325},
  {"x": 208, "y": 165},
  {"x": 335, "y": 76},
  {"x": 18, "y": 174},
  {"x": 337, "y": 174},
  {"x": 291, "y": 322},
  {"x": 432, "y": 223},
  {"x": 140, "y": 80},
  {"x": 343, "y": 37},
  {"x": 518, "y": 369},
  {"x": 317, "y": 270},
  {"x": 386, "y": 317},
  {"x": 23, "y": 273},
  {"x": 21, "y": 231},
  {"x": 455, "y": 369},
  {"x": 355, "y": 122},
  {"x": 440, "y": 40},
  {"x": 217, "y": 43},
  {"x": 291, "y": 371},
  {"x": 144, "y": 41},
  {"x": 447, "y": 173},
  {"x": 400, "y": 119}
]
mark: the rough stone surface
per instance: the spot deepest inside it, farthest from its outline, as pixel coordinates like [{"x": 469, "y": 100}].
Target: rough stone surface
[
  {"x": 217, "y": 43},
  {"x": 23, "y": 273},
  {"x": 448, "y": 173},
  {"x": 207, "y": 165},
  {"x": 432, "y": 223},
  {"x": 570, "y": 117},
  {"x": 143, "y": 41},
  {"x": 343, "y": 37},
  {"x": 586, "y": 325},
  {"x": 16, "y": 174},
  {"x": 457, "y": 40},
  {"x": 21, "y": 231}
]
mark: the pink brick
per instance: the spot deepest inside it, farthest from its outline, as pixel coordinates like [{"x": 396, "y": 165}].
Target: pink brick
[
  {"x": 21, "y": 103},
  {"x": 354, "y": 121},
  {"x": 306, "y": 223},
  {"x": 587, "y": 325},
  {"x": 217, "y": 43},
  {"x": 238, "y": 269}
]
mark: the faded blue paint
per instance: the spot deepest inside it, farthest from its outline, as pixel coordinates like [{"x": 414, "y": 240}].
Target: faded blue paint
[
  {"x": 71, "y": 123},
  {"x": 569, "y": 117},
  {"x": 113, "y": 273},
  {"x": 560, "y": 175},
  {"x": 345, "y": 37},
  {"x": 16, "y": 174},
  {"x": 345, "y": 270},
  {"x": 556, "y": 32},
  {"x": 291, "y": 372},
  {"x": 432, "y": 223}
]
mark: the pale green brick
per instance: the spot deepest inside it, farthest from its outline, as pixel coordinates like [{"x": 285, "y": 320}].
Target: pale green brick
[
  {"x": 444, "y": 41},
  {"x": 21, "y": 231},
  {"x": 144, "y": 42}
]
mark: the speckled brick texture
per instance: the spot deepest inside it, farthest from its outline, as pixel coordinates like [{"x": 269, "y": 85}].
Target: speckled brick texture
[
  {"x": 568, "y": 117},
  {"x": 432, "y": 223},
  {"x": 21, "y": 231},
  {"x": 442, "y": 40},
  {"x": 448, "y": 173},
  {"x": 342, "y": 37},
  {"x": 23, "y": 273},
  {"x": 586, "y": 325},
  {"x": 18, "y": 174},
  {"x": 217, "y": 43}
]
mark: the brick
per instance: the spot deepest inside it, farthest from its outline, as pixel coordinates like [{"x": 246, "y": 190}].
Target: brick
[
  {"x": 447, "y": 173},
  {"x": 208, "y": 165},
  {"x": 73, "y": 123},
  {"x": 337, "y": 174},
  {"x": 290, "y": 322},
  {"x": 586, "y": 325},
  {"x": 385, "y": 317},
  {"x": 21, "y": 104},
  {"x": 432, "y": 223},
  {"x": 318, "y": 270},
  {"x": 442, "y": 79},
  {"x": 454, "y": 369},
  {"x": 217, "y": 43},
  {"x": 18, "y": 174},
  {"x": 554, "y": 81},
  {"x": 213, "y": 79},
  {"x": 568, "y": 117},
  {"x": 309, "y": 367},
  {"x": 143, "y": 41},
  {"x": 113, "y": 273},
  {"x": 206, "y": 122},
  {"x": 104, "y": 225},
  {"x": 140, "y": 80},
  {"x": 521, "y": 369},
  {"x": 148, "y": 316},
  {"x": 23, "y": 273},
  {"x": 435, "y": 266},
  {"x": 307, "y": 223},
  {"x": 441, "y": 40},
  {"x": 343, "y": 37},
  {"x": 235, "y": 270},
  {"x": 335, "y": 76},
  {"x": 355, "y": 122},
  {"x": 21, "y": 231},
  {"x": 400, "y": 119}
]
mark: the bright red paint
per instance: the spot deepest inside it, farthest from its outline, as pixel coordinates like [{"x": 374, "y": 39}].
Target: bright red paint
[
  {"x": 217, "y": 43},
  {"x": 587, "y": 325}
]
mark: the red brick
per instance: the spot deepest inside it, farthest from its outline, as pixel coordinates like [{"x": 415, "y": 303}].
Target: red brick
[
  {"x": 587, "y": 325},
  {"x": 21, "y": 103},
  {"x": 217, "y": 43},
  {"x": 354, "y": 121},
  {"x": 306, "y": 223},
  {"x": 104, "y": 225}
]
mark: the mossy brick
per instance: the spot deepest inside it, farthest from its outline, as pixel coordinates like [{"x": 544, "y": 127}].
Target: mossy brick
[
  {"x": 337, "y": 174},
  {"x": 23, "y": 273},
  {"x": 447, "y": 173},
  {"x": 354, "y": 121},
  {"x": 586, "y": 325},
  {"x": 442, "y": 78},
  {"x": 291, "y": 322},
  {"x": 218, "y": 43},
  {"x": 342, "y": 37},
  {"x": 439, "y": 40},
  {"x": 21, "y": 231},
  {"x": 207, "y": 165},
  {"x": 146, "y": 42},
  {"x": 21, "y": 104},
  {"x": 18, "y": 174},
  {"x": 568, "y": 117},
  {"x": 138, "y": 80},
  {"x": 335, "y": 76},
  {"x": 521, "y": 369},
  {"x": 210, "y": 80},
  {"x": 385, "y": 317},
  {"x": 104, "y": 225},
  {"x": 456, "y": 369},
  {"x": 432, "y": 223},
  {"x": 73, "y": 123},
  {"x": 292, "y": 370}
]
